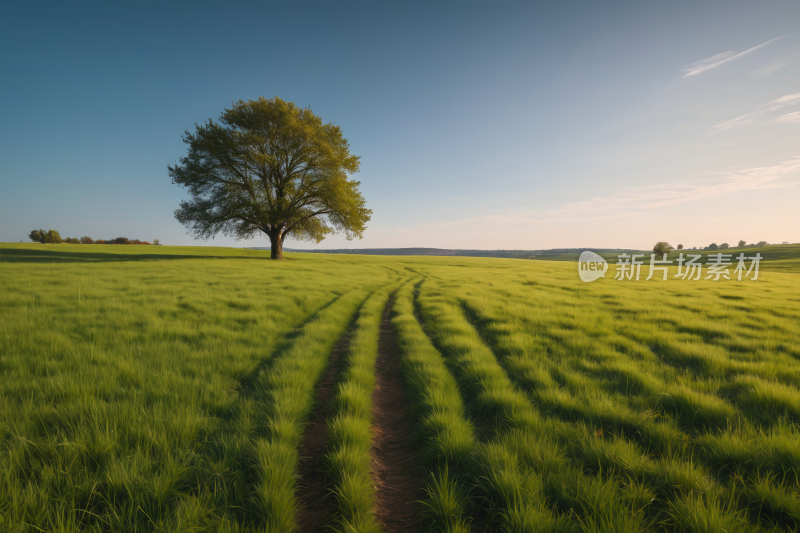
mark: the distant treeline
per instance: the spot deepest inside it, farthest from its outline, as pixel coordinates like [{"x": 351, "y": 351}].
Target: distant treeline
[
  {"x": 53, "y": 237},
  {"x": 516, "y": 254}
]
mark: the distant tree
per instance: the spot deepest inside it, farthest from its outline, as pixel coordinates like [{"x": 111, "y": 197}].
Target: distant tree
[
  {"x": 99, "y": 241},
  {"x": 680, "y": 247},
  {"x": 724, "y": 246},
  {"x": 662, "y": 248},
  {"x": 762, "y": 243},
  {"x": 270, "y": 167},
  {"x": 712, "y": 246},
  {"x": 37, "y": 235},
  {"x": 742, "y": 244},
  {"x": 156, "y": 242},
  {"x": 72, "y": 240},
  {"x": 52, "y": 237},
  {"x": 784, "y": 242},
  {"x": 86, "y": 240}
]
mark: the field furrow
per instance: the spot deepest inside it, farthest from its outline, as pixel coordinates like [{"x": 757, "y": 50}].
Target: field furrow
[
  {"x": 347, "y": 458},
  {"x": 447, "y": 436},
  {"x": 623, "y": 415},
  {"x": 510, "y": 493},
  {"x": 313, "y": 495},
  {"x": 396, "y": 464},
  {"x": 287, "y": 387}
]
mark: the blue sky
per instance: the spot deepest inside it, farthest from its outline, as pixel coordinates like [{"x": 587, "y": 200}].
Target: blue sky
[{"x": 479, "y": 125}]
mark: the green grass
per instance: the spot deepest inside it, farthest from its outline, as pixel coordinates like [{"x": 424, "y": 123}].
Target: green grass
[
  {"x": 133, "y": 393},
  {"x": 167, "y": 388},
  {"x": 349, "y": 432},
  {"x": 448, "y": 438},
  {"x": 287, "y": 389}
]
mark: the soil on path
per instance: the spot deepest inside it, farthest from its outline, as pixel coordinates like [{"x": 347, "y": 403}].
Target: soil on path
[
  {"x": 395, "y": 460},
  {"x": 316, "y": 502}
]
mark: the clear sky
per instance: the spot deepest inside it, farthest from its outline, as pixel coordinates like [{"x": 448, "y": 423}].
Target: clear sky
[{"x": 479, "y": 125}]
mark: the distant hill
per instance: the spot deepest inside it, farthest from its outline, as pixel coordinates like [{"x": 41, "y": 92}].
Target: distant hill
[{"x": 555, "y": 254}]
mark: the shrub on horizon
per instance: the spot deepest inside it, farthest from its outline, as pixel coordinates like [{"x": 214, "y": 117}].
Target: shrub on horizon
[
  {"x": 37, "y": 235},
  {"x": 52, "y": 237},
  {"x": 40, "y": 235},
  {"x": 124, "y": 240},
  {"x": 662, "y": 247},
  {"x": 86, "y": 240}
]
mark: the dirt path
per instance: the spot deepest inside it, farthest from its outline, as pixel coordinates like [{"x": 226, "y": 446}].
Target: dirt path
[
  {"x": 395, "y": 463},
  {"x": 316, "y": 502}
]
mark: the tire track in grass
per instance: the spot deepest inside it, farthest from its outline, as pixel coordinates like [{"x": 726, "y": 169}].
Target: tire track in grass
[
  {"x": 316, "y": 501},
  {"x": 627, "y": 491},
  {"x": 522, "y": 480},
  {"x": 395, "y": 463},
  {"x": 232, "y": 464},
  {"x": 248, "y": 381},
  {"x": 288, "y": 386},
  {"x": 347, "y": 459},
  {"x": 448, "y": 437},
  {"x": 662, "y": 471}
]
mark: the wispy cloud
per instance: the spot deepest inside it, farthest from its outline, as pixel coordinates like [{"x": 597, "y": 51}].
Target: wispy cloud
[
  {"x": 738, "y": 121},
  {"x": 720, "y": 59},
  {"x": 567, "y": 225},
  {"x": 771, "y": 68},
  {"x": 793, "y": 118},
  {"x": 522, "y": 225},
  {"x": 633, "y": 200},
  {"x": 784, "y": 100},
  {"x": 749, "y": 118}
]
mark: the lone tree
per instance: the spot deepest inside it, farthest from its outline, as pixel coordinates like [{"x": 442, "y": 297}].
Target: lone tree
[
  {"x": 662, "y": 248},
  {"x": 269, "y": 166}
]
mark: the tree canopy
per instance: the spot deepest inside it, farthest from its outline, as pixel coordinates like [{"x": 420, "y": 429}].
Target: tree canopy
[
  {"x": 46, "y": 237},
  {"x": 269, "y": 166},
  {"x": 662, "y": 247}
]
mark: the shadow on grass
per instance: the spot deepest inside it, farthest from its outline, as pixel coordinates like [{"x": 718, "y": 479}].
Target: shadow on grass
[{"x": 62, "y": 256}]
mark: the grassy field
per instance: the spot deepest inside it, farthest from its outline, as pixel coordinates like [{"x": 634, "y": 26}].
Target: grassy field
[{"x": 149, "y": 388}]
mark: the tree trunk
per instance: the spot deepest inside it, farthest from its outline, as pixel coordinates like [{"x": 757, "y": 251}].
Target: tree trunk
[{"x": 276, "y": 242}]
